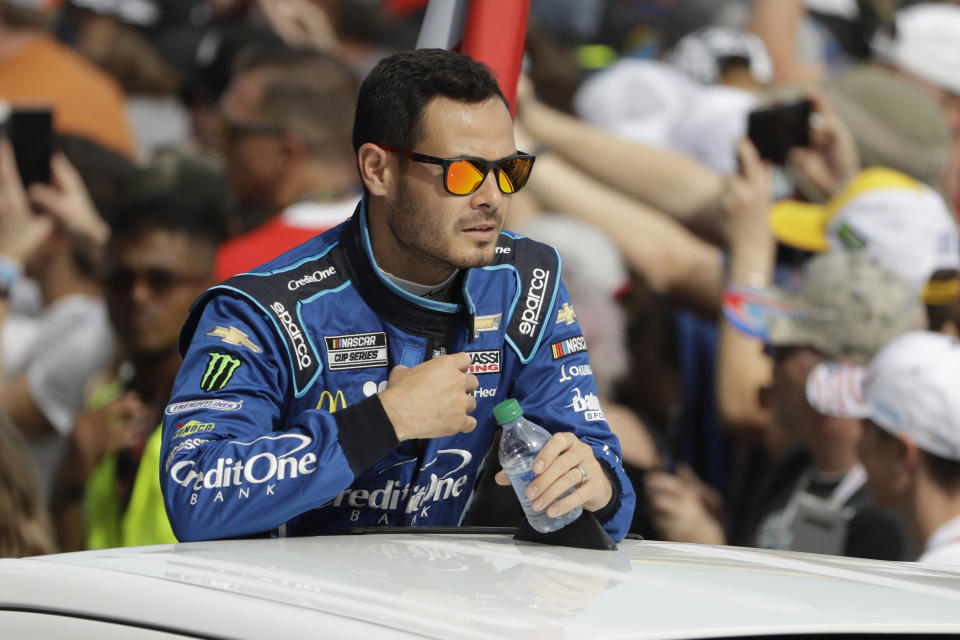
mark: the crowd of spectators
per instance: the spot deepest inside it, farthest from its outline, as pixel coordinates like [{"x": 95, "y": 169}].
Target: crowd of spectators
[{"x": 737, "y": 306}]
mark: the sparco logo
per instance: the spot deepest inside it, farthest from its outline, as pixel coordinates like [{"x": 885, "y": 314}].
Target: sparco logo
[
  {"x": 484, "y": 362},
  {"x": 266, "y": 467},
  {"x": 533, "y": 305},
  {"x": 310, "y": 278},
  {"x": 296, "y": 335}
]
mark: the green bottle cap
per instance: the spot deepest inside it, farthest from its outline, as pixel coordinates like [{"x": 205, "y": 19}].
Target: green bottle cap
[{"x": 507, "y": 411}]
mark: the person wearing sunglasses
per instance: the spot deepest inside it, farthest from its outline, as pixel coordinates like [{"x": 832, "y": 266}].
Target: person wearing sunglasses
[
  {"x": 160, "y": 258},
  {"x": 285, "y": 122},
  {"x": 351, "y": 381}
]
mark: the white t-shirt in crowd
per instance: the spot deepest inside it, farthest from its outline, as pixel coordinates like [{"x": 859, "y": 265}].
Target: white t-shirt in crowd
[{"x": 59, "y": 349}]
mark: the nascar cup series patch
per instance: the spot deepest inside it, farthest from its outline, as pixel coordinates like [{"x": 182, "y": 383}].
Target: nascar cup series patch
[{"x": 356, "y": 351}]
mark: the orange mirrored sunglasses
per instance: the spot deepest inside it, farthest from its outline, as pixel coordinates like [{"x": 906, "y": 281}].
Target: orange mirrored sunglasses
[{"x": 463, "y": 176}]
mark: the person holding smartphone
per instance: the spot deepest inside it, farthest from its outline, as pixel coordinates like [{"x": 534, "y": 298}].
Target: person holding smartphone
[{"x": 46, "y": 358}]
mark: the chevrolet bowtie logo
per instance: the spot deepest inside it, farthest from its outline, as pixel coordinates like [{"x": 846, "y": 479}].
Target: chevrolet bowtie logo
[
  {"x": 486, "y": 323},
  {"x": 232, "y": 335},
  {"x": 566, "y": 314}
]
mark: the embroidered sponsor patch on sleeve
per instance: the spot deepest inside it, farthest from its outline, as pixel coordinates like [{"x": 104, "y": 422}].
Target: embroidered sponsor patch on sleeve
[
  {"x": 566, "y": 314},
  {"x": 568, "y": 347},
  {"x": 235, "y": 337},
  {"x": 219, "y": 371}
]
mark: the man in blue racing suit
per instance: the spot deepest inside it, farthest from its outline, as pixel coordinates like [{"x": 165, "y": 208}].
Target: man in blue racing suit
[{"x": 350, "y": 382}]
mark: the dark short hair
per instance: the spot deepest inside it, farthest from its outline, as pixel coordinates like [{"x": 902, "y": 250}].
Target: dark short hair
[
  {"x": 943, "y": 471},
  {"x": 393, "y": 95},
  {"x": 169, "y": 212},
  {"x": 306, "y": 91},
  {"x": 174, "y": 193}
]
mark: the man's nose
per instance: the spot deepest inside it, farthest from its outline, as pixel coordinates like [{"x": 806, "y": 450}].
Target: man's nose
[{"x": 489, "y": 194}]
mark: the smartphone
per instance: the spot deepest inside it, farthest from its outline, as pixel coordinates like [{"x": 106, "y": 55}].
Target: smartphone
[
  {"x": 31, "y": 134},
  {"x": 777, "y": 129}
]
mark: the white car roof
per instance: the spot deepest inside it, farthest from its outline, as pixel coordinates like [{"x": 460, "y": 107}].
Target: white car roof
[{"x": 477, "y": 585}]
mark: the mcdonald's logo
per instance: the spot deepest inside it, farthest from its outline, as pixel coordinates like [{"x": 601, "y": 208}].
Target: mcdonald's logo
[{"x": 331, "y": 402}]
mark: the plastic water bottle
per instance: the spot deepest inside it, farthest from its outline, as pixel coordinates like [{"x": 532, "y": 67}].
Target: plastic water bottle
[{"x": 519, "y": 444}]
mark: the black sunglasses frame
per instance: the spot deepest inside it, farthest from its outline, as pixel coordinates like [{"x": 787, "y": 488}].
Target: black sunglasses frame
[
  {"x": 233, "y": 129},
  {"x": 481, "y": 165},
  {"x": 160, "y": 281}
]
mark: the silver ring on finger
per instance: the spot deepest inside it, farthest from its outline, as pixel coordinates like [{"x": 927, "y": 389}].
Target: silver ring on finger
[{"x": 583, "y": 474}]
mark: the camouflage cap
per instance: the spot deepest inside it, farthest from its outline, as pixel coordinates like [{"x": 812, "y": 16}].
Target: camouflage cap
[{"x": 849, "y": 306}]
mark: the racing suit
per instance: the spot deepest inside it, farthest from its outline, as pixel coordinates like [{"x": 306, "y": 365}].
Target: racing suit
[{"x": 274, "y": 424}]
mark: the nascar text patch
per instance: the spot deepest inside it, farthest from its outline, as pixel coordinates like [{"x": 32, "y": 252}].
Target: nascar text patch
[
  {"x": 568, "y": 347},
  {"x": 357, "y": 350}
]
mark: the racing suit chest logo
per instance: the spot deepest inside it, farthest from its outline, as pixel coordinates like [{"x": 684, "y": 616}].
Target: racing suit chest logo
[
  {"x": 484, "y": 361},
  {"x": 533, "y": 303},
  {"x": 356, "y": 350},
  {"x": 315, "y": 277},
  {"x": 295, "y": 334}
]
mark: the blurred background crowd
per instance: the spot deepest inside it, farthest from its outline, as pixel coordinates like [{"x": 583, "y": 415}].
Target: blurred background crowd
[{"x": 751, "y": 200}]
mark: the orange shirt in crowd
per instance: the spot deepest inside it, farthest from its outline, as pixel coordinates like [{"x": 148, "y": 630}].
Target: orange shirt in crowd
[{"x": 86, "y": 101}]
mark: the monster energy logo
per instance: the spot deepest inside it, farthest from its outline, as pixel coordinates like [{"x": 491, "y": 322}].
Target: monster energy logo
[{"x": 220, "y": 370}]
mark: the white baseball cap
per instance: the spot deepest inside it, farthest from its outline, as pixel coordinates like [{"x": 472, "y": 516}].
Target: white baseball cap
[
  {"x": 910, "y": 388},
  {"x": 924, "y": 42},
  {"x": 698, "y": 54},
  {"x": 899, "y": 222},
  {"x": 637, "y": 100}
]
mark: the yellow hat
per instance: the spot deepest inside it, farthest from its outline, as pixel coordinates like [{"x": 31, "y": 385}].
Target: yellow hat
[{"x": 898, "y": 221}]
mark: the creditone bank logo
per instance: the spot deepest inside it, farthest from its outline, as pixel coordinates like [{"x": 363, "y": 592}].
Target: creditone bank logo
[
  {"x": 219, "y": 371},
  {"x": 414, "y": 500},
  {"x": 533, "y": 303},
  {"x": 238, "y": 476},
  {"x": 311, "y": 278}
]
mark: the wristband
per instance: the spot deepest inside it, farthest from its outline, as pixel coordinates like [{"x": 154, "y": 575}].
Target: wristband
[
  {"x": 748, "y": 310},
  {"x": 10, "y": 272}
]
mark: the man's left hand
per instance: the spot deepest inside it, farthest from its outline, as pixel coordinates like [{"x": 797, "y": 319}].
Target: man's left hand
[{"x": 558, "y": 467}]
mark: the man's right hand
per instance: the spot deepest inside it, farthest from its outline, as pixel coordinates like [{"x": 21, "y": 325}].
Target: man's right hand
[{"x": 432, "y": 399}]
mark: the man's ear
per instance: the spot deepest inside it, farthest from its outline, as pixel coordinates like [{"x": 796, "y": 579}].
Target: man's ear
[
  {"x": 906, "y": 461},
  {"x": 376, "y": 169}
]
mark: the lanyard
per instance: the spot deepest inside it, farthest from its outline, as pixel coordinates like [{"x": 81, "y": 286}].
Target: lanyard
[{"x": 849, "y": 485}]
